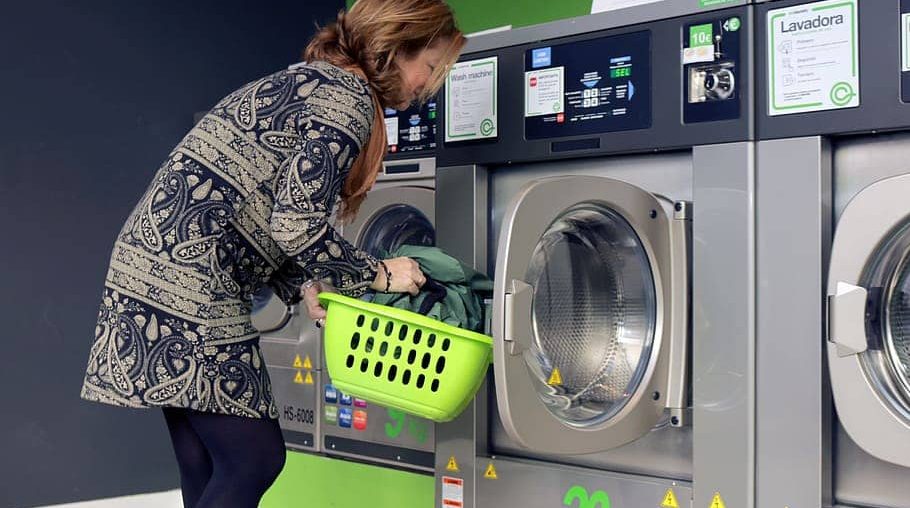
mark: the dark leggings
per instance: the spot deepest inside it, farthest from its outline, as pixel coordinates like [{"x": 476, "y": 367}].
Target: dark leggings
[{"x": 225, "y": 461}]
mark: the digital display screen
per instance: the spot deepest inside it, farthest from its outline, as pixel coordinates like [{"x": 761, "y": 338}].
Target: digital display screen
[
  {"x": 412, "y": 130},
  {"x": 588, "y": 87}
]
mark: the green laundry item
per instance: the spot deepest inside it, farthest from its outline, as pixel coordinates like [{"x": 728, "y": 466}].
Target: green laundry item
[{"x": 460, "y": 306}]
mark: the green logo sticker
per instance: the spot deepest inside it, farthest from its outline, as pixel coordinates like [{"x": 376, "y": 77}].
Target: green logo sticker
[
  {"x": 393, "y": 429},
  {"x": 701, "y": 35},
  {"x": 842, "y": 93},
  {"x": 399, "y": 420},
  {"x": 486, "y": 127},
  {"x": 732, "y": 25},
  {"x": 578, "y": 494}
]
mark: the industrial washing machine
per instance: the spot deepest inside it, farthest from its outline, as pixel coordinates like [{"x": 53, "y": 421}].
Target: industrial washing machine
[
  {"x": 833, "y": 354},
  {"x": 601, "y": 170},
  {"x": 400, "y": 210},
  {"x": 315, "y": 416}
]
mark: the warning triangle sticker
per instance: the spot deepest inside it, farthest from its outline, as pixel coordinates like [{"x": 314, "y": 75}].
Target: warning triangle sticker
[
  {"x": 491, "y": 473},
  {"x": 309, "y": 378},
  {"x": 717, "y": 502},
  {"x": 452, "y": 465},
  {"x": 307, "y": 364},
  {"x": 299, "y": 378},
  {"x": 297, "y": 363},
  {"x": 555, "y": 378},
  {"x": 669, "y": 500}
]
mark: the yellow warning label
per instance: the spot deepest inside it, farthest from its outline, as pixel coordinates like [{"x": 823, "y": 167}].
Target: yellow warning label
[
  {"x": 491, "y": 473},
  {"x": 309, "y": 378},
  {"x": 717, "y": 502},
  {"x": 298, "y": 364},
  {"x": 555, "y": 378},
  {"x": 453, "y": 465},
  {"x": 299, "y": 378},
  {"x": 307, "y": 364},
  {"x": 669, "y": 500}
]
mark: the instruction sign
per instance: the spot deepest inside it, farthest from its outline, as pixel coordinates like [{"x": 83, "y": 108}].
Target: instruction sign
[
  {"x": 905, "y": 42},
  {"x": 813, "y": 52},
  {"x": 471, "y": 100},
  {"x": 545, "y": 92}
]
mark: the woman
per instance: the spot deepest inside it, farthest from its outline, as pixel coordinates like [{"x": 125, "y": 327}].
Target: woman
[{"x": 245, "y": 200}]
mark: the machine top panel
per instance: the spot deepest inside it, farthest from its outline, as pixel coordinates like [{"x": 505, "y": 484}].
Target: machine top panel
[
  {"x": 644, "y": 11},
  {"x": 412, "y": 132},
  {"x": 662, "y": 85}
]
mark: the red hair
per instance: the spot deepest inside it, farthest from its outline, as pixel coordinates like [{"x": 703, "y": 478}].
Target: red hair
[{"x": 367, "y": 40}]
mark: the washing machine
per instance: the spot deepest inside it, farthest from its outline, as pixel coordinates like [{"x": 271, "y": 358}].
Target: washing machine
[
  {"x": 832, "y": 242},
  {"x": 399, "y": 210},
  {"x": 314, "y": 415},
  {"x": 601, "y": 170}
]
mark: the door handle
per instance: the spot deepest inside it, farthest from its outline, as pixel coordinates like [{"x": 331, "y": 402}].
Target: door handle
[
  {"x": 847, "y": 319},
  {"x": 519, "y": 298}
]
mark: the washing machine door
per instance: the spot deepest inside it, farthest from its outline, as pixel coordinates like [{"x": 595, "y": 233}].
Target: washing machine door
[
  {"x": 869, "y": 319},
  {"x": 269, "y": 312},
  {"x": 392, "y": 217},
  {"x": 589, "y": 316}
]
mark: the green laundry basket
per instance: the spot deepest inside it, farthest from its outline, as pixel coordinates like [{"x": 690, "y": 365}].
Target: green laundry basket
[{"x": 402, "y": 360}]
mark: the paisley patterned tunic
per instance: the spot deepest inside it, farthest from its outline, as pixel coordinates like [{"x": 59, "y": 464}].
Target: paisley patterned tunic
[{"x": 243, "y": 201}]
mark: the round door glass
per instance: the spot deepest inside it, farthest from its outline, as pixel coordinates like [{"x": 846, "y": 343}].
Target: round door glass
[
  {"x": 887, "y": 359},
  {"x": 594, "y": 315},
  {"x": 394, "y": 226},
  {"x": 896, "y": 310},
  {"x": 897, "y": 322}
]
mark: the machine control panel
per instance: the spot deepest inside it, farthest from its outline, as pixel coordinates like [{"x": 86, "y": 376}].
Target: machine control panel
[
  {"x": 412, "y": 130},
  {"x": 710, "y": 57},
  {"x": 588, "y": 87}
]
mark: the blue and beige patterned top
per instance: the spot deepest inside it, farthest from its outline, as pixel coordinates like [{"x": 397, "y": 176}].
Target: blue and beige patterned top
[{"x": 244, "y": 200}]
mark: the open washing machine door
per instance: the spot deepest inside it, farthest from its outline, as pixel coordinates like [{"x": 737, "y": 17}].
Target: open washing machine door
[
  {"x": 869, "y": 319},
  {"x": 590, "y": 314}
]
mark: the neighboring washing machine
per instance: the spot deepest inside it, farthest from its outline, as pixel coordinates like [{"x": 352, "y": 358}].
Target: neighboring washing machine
[
  {"x": 400, "y": 210},
  {"x": 612, "y": 157},
  {"x": 292, "y": 349},
  {"x": 832, "y": 251}
]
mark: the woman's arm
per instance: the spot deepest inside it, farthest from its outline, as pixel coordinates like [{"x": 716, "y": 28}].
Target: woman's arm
[{"x": 307, "y": 189}]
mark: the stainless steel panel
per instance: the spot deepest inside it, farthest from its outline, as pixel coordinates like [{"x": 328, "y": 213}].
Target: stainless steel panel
[
  {"x": 665, "y": 452},
  {"x": 462, "y": 232},
  {"x": 793, "y": 204},
  {"x": 531, "y": 484},
  {"x": 723, "y": 358},
  {"x": 298, "y": 406},
  {"x": 299, "y": 338}
]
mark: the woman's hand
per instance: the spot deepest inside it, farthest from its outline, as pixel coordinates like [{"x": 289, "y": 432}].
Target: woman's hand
[
  {"x": 314, "y": 309},
  {"x": 406, "y": 276}
]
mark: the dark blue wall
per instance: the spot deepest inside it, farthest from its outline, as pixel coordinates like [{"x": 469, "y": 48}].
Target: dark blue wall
[{"x": 93, "y": 96}]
